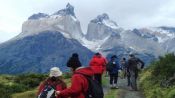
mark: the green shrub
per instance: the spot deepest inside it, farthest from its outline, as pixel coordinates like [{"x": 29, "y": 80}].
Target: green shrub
[
  {"x": 155, "y": 74},
  {"x": 30, "y": 80},
  {"x": 171, "y": 93},
  {"x": 165, "y": 67}
]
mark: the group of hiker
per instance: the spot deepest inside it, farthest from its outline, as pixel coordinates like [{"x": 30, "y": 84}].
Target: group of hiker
[
  {"x": 129, "y": 68},
  {"x": 86, "y": 82}
]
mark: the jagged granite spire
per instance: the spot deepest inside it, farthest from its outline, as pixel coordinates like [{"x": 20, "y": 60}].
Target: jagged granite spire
[
  {"x": 69, "y": 10},
  {"x": 100, "y": 18},
  {"x": 38, "y": 15}
]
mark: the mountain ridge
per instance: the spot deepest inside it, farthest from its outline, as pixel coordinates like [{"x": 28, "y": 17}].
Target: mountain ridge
[{"x": 58, "y": 35}]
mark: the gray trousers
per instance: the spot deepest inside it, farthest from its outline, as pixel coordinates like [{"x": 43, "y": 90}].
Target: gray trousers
[{"x": 133, "y": 79}]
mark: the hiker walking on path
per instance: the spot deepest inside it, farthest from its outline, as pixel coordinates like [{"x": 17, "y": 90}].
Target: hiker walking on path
[
  {"x": 125, "y": 69},
  {"x": 79, "y": 83},
  {"x": 113, "y": 68},
  {"x": 53, "y": 83},
  {"x": 134, "y": 64},
  {"x": 98, "y": 65}
]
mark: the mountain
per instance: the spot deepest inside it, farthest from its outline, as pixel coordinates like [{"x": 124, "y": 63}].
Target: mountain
[
  {"x": 45, "y": 41},
  {"x": 101, "y": 27},
  {"x": 49, "y": 40},
  {"x": 38, "y": 53},
  {"x": 63, "y": 21},
  {"x": 148, "y": 43}
]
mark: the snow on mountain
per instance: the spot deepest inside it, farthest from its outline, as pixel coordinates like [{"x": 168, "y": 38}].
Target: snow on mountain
[
  {"x": 63, "y": 21},
  {"x": 161, "y": 34},
  {"x": 69, "y": 10},
  {"x": 101, "y": 27},
  {"x": 105, "y": 36},
  {"x": 38, "y": 16}
]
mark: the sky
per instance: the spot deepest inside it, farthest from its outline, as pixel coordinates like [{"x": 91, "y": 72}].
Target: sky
[{"x": 128, "y": 14}]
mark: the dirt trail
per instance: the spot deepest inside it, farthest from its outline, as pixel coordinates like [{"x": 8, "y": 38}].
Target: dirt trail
[{"x": 125, "y": 91}]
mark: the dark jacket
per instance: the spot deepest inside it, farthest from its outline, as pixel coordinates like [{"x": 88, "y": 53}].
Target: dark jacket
[
  {"x": 79, "y": 84},
  {"x": 114, "y": 66},
  {"x": 133, "y": 64}
]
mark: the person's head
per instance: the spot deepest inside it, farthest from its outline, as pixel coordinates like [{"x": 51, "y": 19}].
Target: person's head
[
  {"x": 124, "y": 59},
  {"x": 97, "y": 54},
  {"x": 74, "y": 62},
  {"x": 113, "y": 57},
  {"x": 131, "y": 55},
  {"x": 75, "y": 55},
  {"x": 55, "y": 73}
]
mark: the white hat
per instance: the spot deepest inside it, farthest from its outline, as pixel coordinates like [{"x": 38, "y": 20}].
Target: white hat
[{"x": 55, "y": 71}]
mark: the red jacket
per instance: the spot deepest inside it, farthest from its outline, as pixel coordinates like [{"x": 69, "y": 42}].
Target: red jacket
[
  {"x": 79, "y": 84},
  {"x": 98, "y": 64},
  {"x": 59, "y": 87}
]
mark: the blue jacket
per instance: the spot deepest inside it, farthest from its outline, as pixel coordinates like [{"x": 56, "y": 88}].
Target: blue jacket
[{"x": 115, "y": 66}]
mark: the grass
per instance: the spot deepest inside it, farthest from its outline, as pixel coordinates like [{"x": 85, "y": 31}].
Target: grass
[
  {"x": 111, "y": 93},
  {"x": 152, "y": 78},
  {"x": 32, "y": 93},
  {"x": 27, "y": 94}
]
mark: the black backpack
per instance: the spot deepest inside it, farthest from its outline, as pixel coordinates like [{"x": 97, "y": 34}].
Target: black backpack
[
  {"x": 137, "y": 63},
  {"x": 109, "y": 66},
  {"x": 44, "y": 93},
  {"x": 94, "y": 90}
]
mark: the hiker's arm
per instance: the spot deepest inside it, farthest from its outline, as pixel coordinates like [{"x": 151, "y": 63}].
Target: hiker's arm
[
  {"x": 143, "y": 64},
  {"x": 76, "y": 87},
  {"x": 40, "y": 88}
]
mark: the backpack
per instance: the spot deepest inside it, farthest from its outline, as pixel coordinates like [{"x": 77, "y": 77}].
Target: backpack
[
  {"x": 94, "y": 90},
  {"x": 109, "y": 66},
  {"x": 137, "y": 63},
  {"x": 47, "y": 92}
]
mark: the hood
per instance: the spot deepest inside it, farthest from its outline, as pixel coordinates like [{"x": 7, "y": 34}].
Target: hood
[
  {"x": 97, "y": 56},
  {"x": 85, "y": 70}
]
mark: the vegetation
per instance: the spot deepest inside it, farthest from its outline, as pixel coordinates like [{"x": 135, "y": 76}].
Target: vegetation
[
  {"x": 110, "y": 93},
  {"x": 20, "y": 83},
  {"x": 26, "y": 85},
  {"x": 157, "y": 81}
]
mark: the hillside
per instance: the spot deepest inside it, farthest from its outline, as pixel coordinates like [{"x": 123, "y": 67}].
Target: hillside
[{"x": 158, "y": 80}]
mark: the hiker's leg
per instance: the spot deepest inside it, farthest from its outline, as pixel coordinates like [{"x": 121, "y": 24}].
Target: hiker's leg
[
  {"x": 128, "y": 79},
  {"x": 115, "y": 78},
  {"x": 132, "y": 78},
  {"x": 98, "y": 78},
  {"x": 136, "y": 76},
  {"x": 111, "y": 79}
]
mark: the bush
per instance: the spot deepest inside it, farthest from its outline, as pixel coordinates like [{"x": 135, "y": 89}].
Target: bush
[
  {"x": 165, "y": 67},
  {"x": 158, "y": 72},
  {"x": 30, "y": 80}
]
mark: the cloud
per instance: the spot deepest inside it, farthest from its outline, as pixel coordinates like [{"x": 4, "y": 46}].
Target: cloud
[{"x": 127, "y": 13}]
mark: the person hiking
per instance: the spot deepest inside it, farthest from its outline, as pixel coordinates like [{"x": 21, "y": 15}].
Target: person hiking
[
  {"x": 74, "y": 62},
  {"x": 79, "y": 83},
  {"x": 113, "y": 67},
  {"x": 53, "y": 83},
  {"x": 133, "y": 66},
  {"x": 98, "y": 65},
  {"x": 125, "y": 69}
]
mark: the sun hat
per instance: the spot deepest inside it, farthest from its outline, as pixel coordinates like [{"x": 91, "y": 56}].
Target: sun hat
[{"x": 55, "y": 71}]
